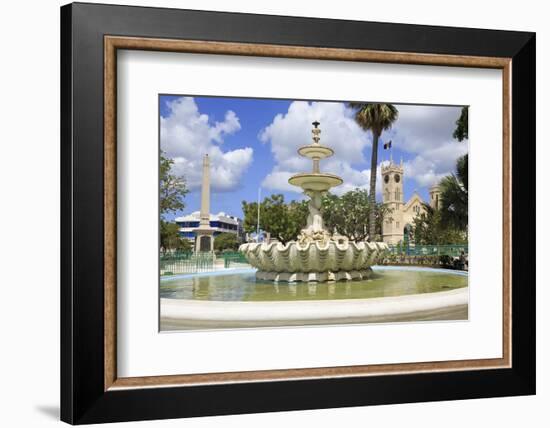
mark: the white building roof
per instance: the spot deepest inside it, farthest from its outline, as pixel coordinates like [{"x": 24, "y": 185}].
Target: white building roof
[{"x": 221, "y": 216}]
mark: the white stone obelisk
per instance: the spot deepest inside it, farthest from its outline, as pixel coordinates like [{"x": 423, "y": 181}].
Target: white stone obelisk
[
  {"x": 205, "y": 192},
  {"x": 204, "y": 233}
]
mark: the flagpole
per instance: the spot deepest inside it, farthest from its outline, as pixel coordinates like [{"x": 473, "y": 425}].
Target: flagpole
[{"x": 389, "y": 146}]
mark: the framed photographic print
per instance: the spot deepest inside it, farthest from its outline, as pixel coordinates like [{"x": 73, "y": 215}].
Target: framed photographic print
[{"x": 265, "y": 213}]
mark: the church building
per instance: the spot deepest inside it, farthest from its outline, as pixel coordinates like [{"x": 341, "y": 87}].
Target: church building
[{"x": 396, "y": 225}]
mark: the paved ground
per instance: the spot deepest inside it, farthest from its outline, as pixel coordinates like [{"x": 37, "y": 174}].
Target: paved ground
[{"x": 453, "y": 313}]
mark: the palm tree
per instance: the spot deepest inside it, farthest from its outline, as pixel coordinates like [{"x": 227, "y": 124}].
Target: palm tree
[
  {"x": 428, "y": 229},
  {"x": 375, "y": 118},
  {"x": 454, "y": 196}
]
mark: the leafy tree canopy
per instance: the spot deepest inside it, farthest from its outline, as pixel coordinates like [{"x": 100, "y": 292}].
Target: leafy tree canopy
[
  {"x": 282, "y": 221},
  {"x": 172, "y": 188},
  {"x": 170, "y": 239},
  {"x": 226, "y": 241},
  {"x": 349, "y": 215},
  {"x": 461, "y": 130},
  {"x": 428, "y": 228}
]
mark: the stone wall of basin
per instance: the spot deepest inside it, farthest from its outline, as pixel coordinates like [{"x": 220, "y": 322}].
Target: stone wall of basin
[{"x": 313, "y": 256}]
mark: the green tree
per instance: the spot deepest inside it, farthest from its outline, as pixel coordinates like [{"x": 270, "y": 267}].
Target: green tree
[
  {"x": 375, "y": 118},
  {"x": 429, "y": 229},
  {"x": 454, "y": 187},
  {"x": 282, "y": 221},
  {"x": 172, "y": 188},
  {"x": 454, "y": 196},
  {"x": 226, "y": 241},
  {"x": 461, "y": 130},
  {"x": 350, "y": 214},
  {"x": 170, "y": 239}
]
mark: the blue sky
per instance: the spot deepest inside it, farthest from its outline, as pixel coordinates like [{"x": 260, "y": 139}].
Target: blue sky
[{"x": 252, "y": 143}]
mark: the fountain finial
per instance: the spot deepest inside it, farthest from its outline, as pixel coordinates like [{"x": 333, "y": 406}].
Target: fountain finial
[{"x": 316, "y": 131}]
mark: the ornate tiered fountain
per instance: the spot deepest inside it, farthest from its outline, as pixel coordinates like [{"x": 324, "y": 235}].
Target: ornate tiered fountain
[{"x": 316, "y": 255}]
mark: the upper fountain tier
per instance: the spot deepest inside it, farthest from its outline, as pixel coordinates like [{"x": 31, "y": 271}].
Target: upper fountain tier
[{"x": 315, "y": 151}]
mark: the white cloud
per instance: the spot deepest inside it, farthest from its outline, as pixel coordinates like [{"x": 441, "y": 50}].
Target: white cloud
[
  {"x": 186, "y": 136},
  {"x": 355, "y": 179},
  {"x": 278, "y": 180},
  {"x": 421, "y": 128},
  {"x": 228, "y": 126},
  {"x": 427, "y": 132},
  {"x": 339, "y": 131},
  {"x": 423, "y": 171},
  {"x": 423, "y": 131}
]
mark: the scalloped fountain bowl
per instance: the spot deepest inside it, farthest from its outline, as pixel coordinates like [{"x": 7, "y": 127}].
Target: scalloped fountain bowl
[{"x": 314, "y": 261}]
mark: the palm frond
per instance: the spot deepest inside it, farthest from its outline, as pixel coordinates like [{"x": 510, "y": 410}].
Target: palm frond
[
  {"x": 454, "y": 202},
  {"x": 374, "y": 116}
]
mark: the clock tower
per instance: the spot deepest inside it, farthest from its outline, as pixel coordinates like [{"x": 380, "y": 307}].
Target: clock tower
[{"x": 392, "y": 195}]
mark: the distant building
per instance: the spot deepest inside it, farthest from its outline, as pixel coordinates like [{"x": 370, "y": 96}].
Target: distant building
[
  {"x": 397, "y": 224},
  {"x": 219, "y": 223}
]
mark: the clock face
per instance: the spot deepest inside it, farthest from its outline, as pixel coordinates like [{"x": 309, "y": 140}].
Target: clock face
[
  {"x": 397, "y": 178},
  {"x": 386, "y": 178}
]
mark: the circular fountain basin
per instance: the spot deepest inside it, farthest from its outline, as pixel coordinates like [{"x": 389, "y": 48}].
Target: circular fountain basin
[
  {"x": 320, "y": 182},
  {"x": 225, "y": 300}
]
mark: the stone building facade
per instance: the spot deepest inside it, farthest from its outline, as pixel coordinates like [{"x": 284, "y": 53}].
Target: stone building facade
[{"x": 396, "y": 225}]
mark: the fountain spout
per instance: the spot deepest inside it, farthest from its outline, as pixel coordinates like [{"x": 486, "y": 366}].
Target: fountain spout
[{"x": 315, "y": 185}]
